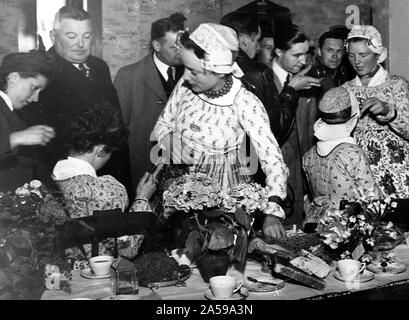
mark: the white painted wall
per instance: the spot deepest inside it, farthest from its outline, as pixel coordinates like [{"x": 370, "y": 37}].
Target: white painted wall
[{"x": 399, "y": 37}]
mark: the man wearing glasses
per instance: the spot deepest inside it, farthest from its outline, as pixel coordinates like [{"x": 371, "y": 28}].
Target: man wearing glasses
[{"x": 144, "y": 88}]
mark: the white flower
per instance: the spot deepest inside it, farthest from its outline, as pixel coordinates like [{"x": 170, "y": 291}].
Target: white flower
[
  {"x": 333, "y": 246},
  {"x": 389, "y": 225},
  {"x": 22, "y": 192},
  {"x": 370, "y": 241}
]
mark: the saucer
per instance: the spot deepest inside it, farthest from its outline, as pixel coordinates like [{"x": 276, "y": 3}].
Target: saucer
[
  {"x": 364, "y": 277},
  {"x": 244, "y": 293},
  {"x": 391, "y": 268},
  {"x": 87, "y": 273}
]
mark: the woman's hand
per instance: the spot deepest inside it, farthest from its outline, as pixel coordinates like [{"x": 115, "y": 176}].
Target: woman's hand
[
  {"x": 273, "y": 227},
  {"x": 36, "y": 135},
  {"x": 146, "y": 187},
  {"x": 375, "y": 107}
]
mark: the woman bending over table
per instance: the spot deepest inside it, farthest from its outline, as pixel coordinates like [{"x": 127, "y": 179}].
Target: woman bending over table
[
  {"x": 209, "y": 113},
  {"x": 91, "y": 139}
]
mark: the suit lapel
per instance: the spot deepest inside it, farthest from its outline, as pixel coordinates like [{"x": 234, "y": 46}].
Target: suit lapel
[{"x": 152, "y": 79}]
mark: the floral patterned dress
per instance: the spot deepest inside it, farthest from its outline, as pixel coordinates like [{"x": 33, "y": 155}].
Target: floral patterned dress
[
  {"x": 384, "y": 140},
  {"x": 342, "y": 174},
  {"x": 88, "y": 193},
  {"x": 215, "y": 129}
]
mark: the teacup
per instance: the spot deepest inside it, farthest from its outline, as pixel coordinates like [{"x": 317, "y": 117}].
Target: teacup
[
  {"x": 223, "y": 287},
  {"x": 349, "y": 269},
  {"x": 100, "y": 265}
]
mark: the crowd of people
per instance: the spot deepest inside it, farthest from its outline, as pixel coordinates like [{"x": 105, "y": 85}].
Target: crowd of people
[{"x": 324, "y": 127}]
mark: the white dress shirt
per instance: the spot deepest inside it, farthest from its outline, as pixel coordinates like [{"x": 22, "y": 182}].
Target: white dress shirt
[
  {"x": 7, "y": 100},
  {"x": 281, "y": 73},
  {"x": 163, "y": 68}
]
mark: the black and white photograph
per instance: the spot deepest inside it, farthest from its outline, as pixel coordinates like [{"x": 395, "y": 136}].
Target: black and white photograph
[{"x": 204, "y": 157}]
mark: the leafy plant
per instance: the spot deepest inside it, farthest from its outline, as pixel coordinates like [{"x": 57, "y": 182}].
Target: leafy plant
[
  {"x": 216, "y": 220},
  {"x": 28, "y": 218}
]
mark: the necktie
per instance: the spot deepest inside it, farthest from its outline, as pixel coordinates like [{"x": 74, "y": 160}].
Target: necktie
[
  {"x": 171, "y": 82},
  {"x": 287, "y": 80},
  {"x": 85, "y": 70}
]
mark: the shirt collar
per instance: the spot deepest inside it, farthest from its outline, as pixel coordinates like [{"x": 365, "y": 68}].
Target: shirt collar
[
  {"x": 77, "y": 65},
  {"x": 162, "y": 67},
  {"x": 378, "y": 78},
  {"x": 72, "y": 167},
  {"x": 280, "y": 72},
  {"x": 7, "y": 100}
]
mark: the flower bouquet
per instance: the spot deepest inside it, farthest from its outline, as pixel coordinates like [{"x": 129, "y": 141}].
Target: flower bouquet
[
  {"x": 216, "y": 220},
  {"x": 357, "y": 223},
  {"x": 27, "y": 237}
]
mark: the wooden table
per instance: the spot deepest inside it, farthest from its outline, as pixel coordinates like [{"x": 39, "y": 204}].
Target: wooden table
[{"x": 196, "y": 287}]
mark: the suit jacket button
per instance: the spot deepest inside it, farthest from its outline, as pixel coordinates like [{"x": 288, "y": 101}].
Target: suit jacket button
[{"x": 160, "y": 102}]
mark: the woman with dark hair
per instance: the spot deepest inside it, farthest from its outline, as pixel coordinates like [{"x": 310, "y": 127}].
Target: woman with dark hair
[
  {"x": 209, "y": 113},
  {"x": 91, "y": 138},
  {"x": 22, "y": 77},
  {"x": 383, "y": 129}
]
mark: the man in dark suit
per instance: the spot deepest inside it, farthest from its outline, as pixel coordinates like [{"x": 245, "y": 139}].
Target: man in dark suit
[
  {"x": 258, "y": 78},
  {"x": 330, "y": 64},
  {"x": 81, "y": 80},
  {"x": 22, "y": 77},
  {"x": 144, "y": 88},
  {"x": 290, "y": 69}
]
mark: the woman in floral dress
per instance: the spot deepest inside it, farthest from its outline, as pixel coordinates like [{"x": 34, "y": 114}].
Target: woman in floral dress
[
  {"x": 210, "y": 112},
  {"x": 383, "y": 130},
  {"x": 92, "y": 137},
  {"x": 336, "y": 167}
]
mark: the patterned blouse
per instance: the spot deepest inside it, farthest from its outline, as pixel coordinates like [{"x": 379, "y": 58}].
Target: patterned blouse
[
  {"x": 342, "y": 174},
  {"x": 86, "y": 194},
  {"x": 384, "y": 140},
  {"x": 215, "y": 129}
]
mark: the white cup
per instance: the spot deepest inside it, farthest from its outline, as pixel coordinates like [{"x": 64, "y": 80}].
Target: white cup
[
  {"x": 349, "y": 269},
  {"x": 223, "y": 287},
  {"x": 100, "y": 265}
]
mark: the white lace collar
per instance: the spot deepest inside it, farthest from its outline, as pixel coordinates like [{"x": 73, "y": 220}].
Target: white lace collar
[
  {"x": 378, "y": 79},
  {"x": 72, "y": 167}
]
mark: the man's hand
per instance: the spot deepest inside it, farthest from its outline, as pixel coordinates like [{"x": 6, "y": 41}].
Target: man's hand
[
  {"x": 302, "y": 82},
  {"x": 36, "y": 135},
  {"x": 146, "y": 187},
  {"x": 273, "y": 227},
  {"x": 375, "y": 107}
]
